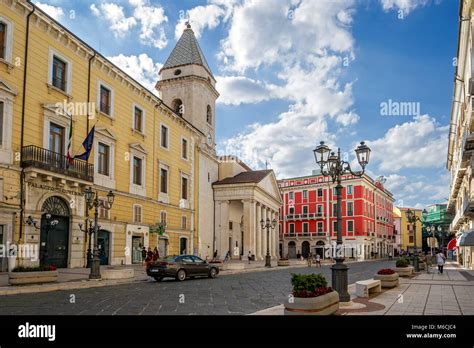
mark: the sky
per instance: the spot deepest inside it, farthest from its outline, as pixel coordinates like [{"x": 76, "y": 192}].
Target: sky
[{"x": 292, "y": 73}]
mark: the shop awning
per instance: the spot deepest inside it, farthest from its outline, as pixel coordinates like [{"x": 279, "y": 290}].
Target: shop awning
[
  {"x": 452, "y": 244},
  {"x": 467, "y": 239}
]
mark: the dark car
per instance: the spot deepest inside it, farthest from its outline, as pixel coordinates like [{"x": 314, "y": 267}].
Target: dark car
[{"x": 181, "y": 267}]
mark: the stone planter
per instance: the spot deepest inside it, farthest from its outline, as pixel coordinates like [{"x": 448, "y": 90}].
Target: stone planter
[
  {"x": 404, "y": 271},
  {"x": 322, "y": 305},
  {"x": 117, "y": 273},
  {"x": 24, "y": 278},
  {"x": 387, "y": 280},
  {"x": 283, "y": 262}
]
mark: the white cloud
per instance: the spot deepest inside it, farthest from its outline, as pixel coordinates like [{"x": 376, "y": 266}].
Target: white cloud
[
  {"x": 273, "y": 31},
  {"x": 53, "y": 11},
  {"x": 306, "y": 43},
  {"x": 236, "y": 90},
  {"x": 419, "y": 143},
  {"x": 418, "y": 191},
  {"x": 141, "y": 68},
  {"x": 200, "y": 17},
  {"x": 150, "y": 18},
  {"x": 114, "y": 14},
  {"x": 405, "y": 6}
]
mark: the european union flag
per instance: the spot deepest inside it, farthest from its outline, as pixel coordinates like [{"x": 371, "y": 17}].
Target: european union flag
[{"x": 87, "y": 144}]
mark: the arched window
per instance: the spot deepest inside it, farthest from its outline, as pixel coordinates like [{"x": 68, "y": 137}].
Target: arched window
[
  {"x": 209, "y": 115},
  {"x": 178, "y": 107}
]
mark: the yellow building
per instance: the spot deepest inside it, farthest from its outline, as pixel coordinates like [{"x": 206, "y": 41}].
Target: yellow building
[
  {"x": 407, "y": 230},
  {"x": 142, "y": 151}
]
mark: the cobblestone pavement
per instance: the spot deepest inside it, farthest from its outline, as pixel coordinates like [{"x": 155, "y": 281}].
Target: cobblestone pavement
[{"x": 243, "y": 293}]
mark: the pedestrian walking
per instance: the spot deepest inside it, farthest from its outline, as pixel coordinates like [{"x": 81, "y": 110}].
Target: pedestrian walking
[
  {"x": 318, "y": 260},
  {"x": 250, "y": 256},
  {"x": 440, "y": 259},
  {"x": 310, "y": 259},
  {"x": 156, "y": 254},
  {"x": 143, "y": 254}
]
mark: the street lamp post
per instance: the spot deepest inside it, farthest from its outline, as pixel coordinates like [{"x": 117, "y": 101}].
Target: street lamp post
[
  {"x": 412, "y": 218},
  {"x": 93, "y": 201},
  {"x": 268, "y": 224},
  {"x": 334, "y": 166},
  {"x": 88, "y": 229}
]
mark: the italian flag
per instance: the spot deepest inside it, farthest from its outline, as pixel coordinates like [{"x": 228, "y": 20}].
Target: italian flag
[{"x": 70, "y": 157}]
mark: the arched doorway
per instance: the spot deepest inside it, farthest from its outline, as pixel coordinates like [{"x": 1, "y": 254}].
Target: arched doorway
[
  {"x": 292, "y": 250},
  {"x": 320, "y": 248},
  {"x": 54, "y": 235},
  {"x": 305, "y": 249},
  {"x": 103, "y": 242}
]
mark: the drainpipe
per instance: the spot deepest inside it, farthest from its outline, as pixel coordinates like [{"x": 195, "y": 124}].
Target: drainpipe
[
  {"x": 88, "y": 234},
  {"x": 22, "y": 175}
]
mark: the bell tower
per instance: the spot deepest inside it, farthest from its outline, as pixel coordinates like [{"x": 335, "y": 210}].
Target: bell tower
[{"x": 187, "y": 85}]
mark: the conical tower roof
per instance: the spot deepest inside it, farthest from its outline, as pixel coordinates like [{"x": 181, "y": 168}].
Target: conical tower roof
[{"x": 187, "y": 52}]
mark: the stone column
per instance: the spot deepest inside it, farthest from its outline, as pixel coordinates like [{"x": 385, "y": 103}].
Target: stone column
[
  {"x": 264, "y": 233},
  {"x": 223, "y": 234},
  {"x": 249, "y": 228},
  {"x": 258, "y": 251},
  {"x": 274, "y": 236}
]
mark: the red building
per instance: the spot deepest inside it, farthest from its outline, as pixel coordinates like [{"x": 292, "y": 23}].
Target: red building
[{"x": 308, "y": 217}]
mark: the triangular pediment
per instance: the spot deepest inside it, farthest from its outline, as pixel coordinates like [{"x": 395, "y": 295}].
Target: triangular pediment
[
  {"x": 138, "y": 147},
  {"x": 269, "y": 185},
  {"x": 106, "y": 133},
  {"x": 6, "y": 88}
]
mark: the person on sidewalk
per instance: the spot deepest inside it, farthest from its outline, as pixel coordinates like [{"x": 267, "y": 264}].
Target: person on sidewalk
[
  {"x": 143, "y": 254},
  {"x": 318, "y": 260},
  {"x": 250, "y": 256},
  {"x": 440, "y": 259}
]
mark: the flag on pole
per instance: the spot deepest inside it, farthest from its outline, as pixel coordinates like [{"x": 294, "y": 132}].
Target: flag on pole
[
  {"x": 87, "y": 144},
  {"x": 70, "y": 158}
]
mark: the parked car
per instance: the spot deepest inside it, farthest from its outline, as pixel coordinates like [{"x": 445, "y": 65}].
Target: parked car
[{"x": 181, "y": 267}]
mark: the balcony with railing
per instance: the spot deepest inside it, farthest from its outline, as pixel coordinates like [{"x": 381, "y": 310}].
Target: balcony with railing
[
  {"x": 305, "y": 234},
  {"x": 37, "y": 157}
]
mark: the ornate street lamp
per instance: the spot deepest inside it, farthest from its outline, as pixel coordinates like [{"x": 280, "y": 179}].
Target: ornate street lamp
[
  {"x": 332, "y": 165},
  {"x": 93, "y": 201},
  {"x": 88, "y": 229},
  {"x": 268, "y": 224},
  {"x": 412, "y": 218}
]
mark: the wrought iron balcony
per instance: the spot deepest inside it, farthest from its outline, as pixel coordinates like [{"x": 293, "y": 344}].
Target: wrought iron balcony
[{"x": 34, "y": 156}]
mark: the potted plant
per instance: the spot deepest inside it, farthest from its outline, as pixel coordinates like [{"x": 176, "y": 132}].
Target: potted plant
[
  {"x": 403, "y": 267},
  {"x": 33, "y": 275},
  {"x": 311, "y": 296},
  {"x": 283, "y": 262},
  {"x": 388, "y": 278}
]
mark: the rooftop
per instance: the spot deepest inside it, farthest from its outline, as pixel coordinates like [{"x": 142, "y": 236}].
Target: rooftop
[{"x": 186, "y": 52}]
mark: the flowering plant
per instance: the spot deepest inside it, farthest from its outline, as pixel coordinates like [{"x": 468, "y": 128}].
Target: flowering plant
[
  {"x": 309, "y": 285},
  {"x": 386, "y": 271}
]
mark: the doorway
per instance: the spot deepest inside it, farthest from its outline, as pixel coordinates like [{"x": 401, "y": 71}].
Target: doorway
[
  {"x": 103, "y": 242},
  {"x": 137, "y": 245},
  {"x": 54, "y": 235},
  {"x": 292, "y": 250},
  {"x": 305, "y": 249},
  {"x": 320, "y": 248},
  {"x": 163, "y": 247},
  {"x": 183, "y": 246}
]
